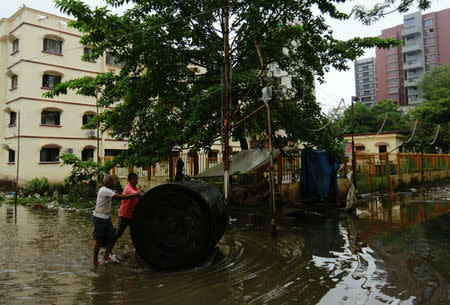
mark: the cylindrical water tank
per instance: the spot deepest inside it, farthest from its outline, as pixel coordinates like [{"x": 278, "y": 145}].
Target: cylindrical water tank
[{"x": 178, "y": 225}]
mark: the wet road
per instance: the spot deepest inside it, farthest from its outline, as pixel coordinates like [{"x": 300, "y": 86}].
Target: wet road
[{"x": 395, "y": 251}]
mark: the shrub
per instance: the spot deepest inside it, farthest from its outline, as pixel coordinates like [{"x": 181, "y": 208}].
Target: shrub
[{"x": 37, "y": 186}]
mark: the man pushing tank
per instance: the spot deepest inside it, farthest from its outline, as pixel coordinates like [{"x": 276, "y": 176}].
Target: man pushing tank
[{"x": 104, "y": 232}]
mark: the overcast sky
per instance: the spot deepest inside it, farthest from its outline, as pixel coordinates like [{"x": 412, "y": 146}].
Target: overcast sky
[{"x": 338, "y": 84}]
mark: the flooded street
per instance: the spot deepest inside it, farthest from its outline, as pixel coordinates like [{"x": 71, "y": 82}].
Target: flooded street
[{"x": 396, "y": 250}]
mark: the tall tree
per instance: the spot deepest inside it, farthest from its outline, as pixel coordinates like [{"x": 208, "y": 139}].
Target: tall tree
[
  {"x": 161, "y": 104},
  {"x": 433, "y": 132},
  {"x": 383, "y": 116}
]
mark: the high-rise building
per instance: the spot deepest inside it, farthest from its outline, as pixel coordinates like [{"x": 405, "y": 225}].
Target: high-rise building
[
  {"x": 426, "y": 43},
  {"x": 365, "y": 76},
  {"x": 37, "y": 52}
]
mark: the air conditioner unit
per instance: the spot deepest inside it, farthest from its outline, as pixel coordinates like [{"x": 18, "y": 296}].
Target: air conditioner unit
[
  {"x": 71, "y": 150},
  {"x": 92, "y": 133}
]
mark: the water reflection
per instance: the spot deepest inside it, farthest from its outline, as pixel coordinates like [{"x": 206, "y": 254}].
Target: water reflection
[{"x": 395, "y": 250}]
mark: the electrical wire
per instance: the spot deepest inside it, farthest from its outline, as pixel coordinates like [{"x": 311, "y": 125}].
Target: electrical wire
[
  {"x": 329, "y": 121},
  {"x": 409, "y": 140},
  {"x": 435, "y": 137},
  {"x": 384, "y": 122}
]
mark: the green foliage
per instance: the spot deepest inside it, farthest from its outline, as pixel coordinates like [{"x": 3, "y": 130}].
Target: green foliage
[
  {"x": 164, "y": 105},
  {"x": 58, "y": 188},
  {"x": 83, "y": 171},
  {"x": 434, "y": 84},
  {"x": 370, "y": 119},
  {"x": 434, "y": 112},
  {"x": 384, "y": 7},
  {"x": 37, "y": 186}
]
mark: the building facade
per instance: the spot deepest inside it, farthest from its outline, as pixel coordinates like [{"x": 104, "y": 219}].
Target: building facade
[
  {"x": 38, "y": 51},
  {"x": 365, "y": 80},
  {"x": 426, "y": 43},
  {"x": 375, "y": 143}
]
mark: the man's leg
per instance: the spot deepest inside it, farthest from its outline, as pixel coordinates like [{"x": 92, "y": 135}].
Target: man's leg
[
  {"x": 96, "y": 250},
  {"x": 98, "y": 235},
  {"x": 106, "y": 257},
  {"x": 123, "y": 223},
  {"x": 110, "y": 232}
]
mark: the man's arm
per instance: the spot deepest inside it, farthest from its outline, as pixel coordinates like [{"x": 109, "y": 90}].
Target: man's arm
[{"x": 128, "y": 196}]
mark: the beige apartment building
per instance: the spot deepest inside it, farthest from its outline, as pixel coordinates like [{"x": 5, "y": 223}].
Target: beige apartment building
[{"x": 37, "y": 52}]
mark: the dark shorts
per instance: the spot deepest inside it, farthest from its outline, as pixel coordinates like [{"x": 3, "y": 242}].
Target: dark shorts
[
  {"x": 123, "y": 223},
  {"x": 104, "y": 231}
]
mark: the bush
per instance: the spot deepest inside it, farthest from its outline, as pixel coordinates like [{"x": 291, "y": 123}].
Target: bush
[
  {"x": 60, "y": 188},
  {"x": 37, "y": 186}
]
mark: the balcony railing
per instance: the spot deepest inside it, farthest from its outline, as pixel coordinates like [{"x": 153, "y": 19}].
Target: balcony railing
[{"x": 410, "y": 30}]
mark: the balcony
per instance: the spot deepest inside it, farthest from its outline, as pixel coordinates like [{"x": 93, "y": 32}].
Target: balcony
[
  {"x": 411, "y": 30},
  {"x": 411, "y": 82},
  {"x": 414, "y": 64},
  {"x": 412, "y": 47}
]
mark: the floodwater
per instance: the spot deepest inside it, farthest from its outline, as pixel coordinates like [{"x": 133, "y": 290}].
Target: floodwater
[{"x": 396, "y": 250}]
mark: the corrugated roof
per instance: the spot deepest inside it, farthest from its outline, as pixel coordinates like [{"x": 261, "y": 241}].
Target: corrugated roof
[{"x": 245, "y": 161}]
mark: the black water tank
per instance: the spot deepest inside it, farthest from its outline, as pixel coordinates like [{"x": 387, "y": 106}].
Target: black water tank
[{"x": 178, "y": 225}]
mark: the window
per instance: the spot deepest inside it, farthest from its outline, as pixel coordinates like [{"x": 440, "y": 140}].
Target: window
[
  {"x": 392, "y": 65},
  {"x": 412, "y": 98},
  {"x": 393, "y": 81},
  {"x": 111, "y": 60},
  {"x": 393, "y": 89},
  {"x": 50, "y": 80},
  {"x": 52, "y": 46},
  {"x": 49, "y": 117},
  {"x": 360, "y": 81},
  {"x": 393, "y": 97},
  {"x": 429, "y": 49},
  {"x": 393, "y": 73},
  {"x": 392, "y": 57},
  {"x": 15, "y": 45},
  {"x": 408, "y": 22},
  {"x": 382, "y": 148},
  {"x": 87, "y": 118},
  {"x": 112, "y": 152},
  {"x": 87, "y": 153},
  {"x": 49, "y": 154},
  {"x": 429, "y": 40},
  {"x": 428, "y": 23},
  {"x": 87, "y": 52},
  {"x": 11, "y": 156},
  {"x": 409, "y": 57},
  {"x": 359, "y": 148},
  {"x": 14, "y": 81},
  {"x": 392, "y": 49},
  {"x": 212, "y": 158},
  {"x": 431, "y": 57},
  {"x": 360, "y": 68},
  {"x": 429, "y": 32},
  {"x": 12, "y": 118}
]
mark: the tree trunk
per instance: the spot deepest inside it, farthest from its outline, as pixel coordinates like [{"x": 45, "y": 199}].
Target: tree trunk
[{"x": 243, "y": 142}]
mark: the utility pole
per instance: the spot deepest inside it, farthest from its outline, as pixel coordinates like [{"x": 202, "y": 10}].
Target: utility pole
[
  {"x": 355, "y": 178},
  {"x": 18, "y": 158},
  {"x": 267, "y": 95},
  {"x": 98, "y": 142},
  {"x": 226, "y": 100}
]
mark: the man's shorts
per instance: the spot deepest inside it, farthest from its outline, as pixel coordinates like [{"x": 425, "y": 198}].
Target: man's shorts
[{"x": 104, "y": 231}]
